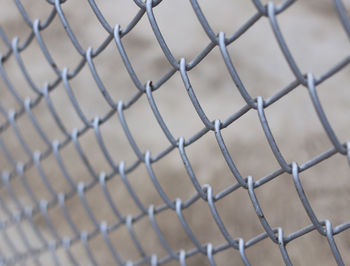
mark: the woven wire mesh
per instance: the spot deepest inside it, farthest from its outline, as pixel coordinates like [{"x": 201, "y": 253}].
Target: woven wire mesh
[{"x": 28, "y": 218}]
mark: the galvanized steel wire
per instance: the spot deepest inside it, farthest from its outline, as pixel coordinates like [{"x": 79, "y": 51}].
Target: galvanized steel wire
[{"x": 176, "y": 143}]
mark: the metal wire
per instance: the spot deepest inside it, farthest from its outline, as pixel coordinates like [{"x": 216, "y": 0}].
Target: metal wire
[{"x": 26, "y": 214}]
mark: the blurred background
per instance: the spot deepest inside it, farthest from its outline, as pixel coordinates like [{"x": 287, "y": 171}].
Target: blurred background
[{"x": 317, "y": 41}]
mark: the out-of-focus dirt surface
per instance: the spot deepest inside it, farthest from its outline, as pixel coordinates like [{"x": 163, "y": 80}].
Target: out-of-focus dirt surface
[{"x": 317, "y": 41}]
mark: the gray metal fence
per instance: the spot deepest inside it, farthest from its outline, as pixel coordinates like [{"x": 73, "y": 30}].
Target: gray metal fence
[{"x": 23, "y": 217}]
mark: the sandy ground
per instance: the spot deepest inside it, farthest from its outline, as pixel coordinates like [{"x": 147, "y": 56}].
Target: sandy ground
[{"x": 317, "y": 41}]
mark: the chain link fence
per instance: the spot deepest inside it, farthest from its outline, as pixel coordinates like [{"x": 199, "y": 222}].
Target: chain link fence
[{"x": 50, "y": 206}]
